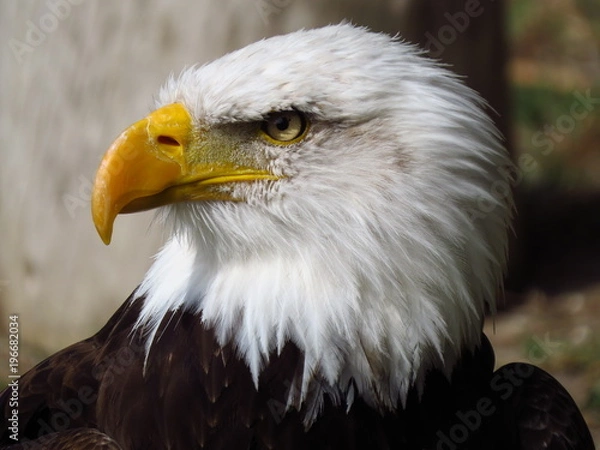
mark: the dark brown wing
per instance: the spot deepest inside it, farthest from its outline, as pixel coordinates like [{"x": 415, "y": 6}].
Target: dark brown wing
[
  {"x": 542, "y": 412},
  {"x": 519, "y": 407},
  {"x": 59, "y": 394}
]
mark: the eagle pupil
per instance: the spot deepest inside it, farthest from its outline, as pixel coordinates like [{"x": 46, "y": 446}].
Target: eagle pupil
[{"x": 282, "y": 123}]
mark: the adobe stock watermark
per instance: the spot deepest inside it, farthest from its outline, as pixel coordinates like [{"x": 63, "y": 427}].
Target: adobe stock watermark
[
  {"x": 539, "y": 350},
  {"x": 68, "y": 410},
  {"x": 82, "y": 199},
  {"x": 544, "y": 143},
  {"x": 271, "y": 8},
  {"x": 581, "y": 107},
  {"x": 456, "y": 24},
  {"x": 502, "y": 387},
  {"x": 38, "y": 30},
  {"x": 13, "y": 376},
  {"x": 119, "y": 162}
]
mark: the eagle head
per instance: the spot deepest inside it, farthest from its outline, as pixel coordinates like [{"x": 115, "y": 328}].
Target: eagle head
[{"x": 332, "y": 188}]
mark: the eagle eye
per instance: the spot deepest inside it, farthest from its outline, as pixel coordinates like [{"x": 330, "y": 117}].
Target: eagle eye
[{"x": 284, "y": 127}]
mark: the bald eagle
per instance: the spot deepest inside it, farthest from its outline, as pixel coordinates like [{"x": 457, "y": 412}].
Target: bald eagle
[{"x": 338, "y": 208}]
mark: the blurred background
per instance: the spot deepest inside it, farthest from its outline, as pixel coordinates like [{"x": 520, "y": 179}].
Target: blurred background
[{"x": 74, "y": 73}]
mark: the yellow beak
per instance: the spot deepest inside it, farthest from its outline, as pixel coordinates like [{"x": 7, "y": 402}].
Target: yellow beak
[{"x": 162, "y": 159}]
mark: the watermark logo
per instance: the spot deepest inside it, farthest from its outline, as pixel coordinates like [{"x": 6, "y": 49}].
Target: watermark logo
[
  {"x": 544, "y": 140},
  {"x": 582, "y": 105},
  {"x": 268, "y": 9},
  {"x": 457, "y": 24},
  {"x": 37, "y": 31},
  {"x": 74, "y": 202},
  {"x": 502, "y": 386}
]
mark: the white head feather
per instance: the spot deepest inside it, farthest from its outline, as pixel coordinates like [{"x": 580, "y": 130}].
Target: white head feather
[{"x": 379, "y": 251}]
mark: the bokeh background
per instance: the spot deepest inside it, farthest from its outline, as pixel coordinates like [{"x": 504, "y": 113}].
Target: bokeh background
[{"x": 74, "y": 73}]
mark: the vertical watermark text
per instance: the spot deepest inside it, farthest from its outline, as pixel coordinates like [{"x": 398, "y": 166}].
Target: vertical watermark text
[{"x": 13, "y": 375}]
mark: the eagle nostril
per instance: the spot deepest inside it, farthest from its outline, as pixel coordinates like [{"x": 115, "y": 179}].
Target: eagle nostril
[{"x": 168, "y": 140}]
